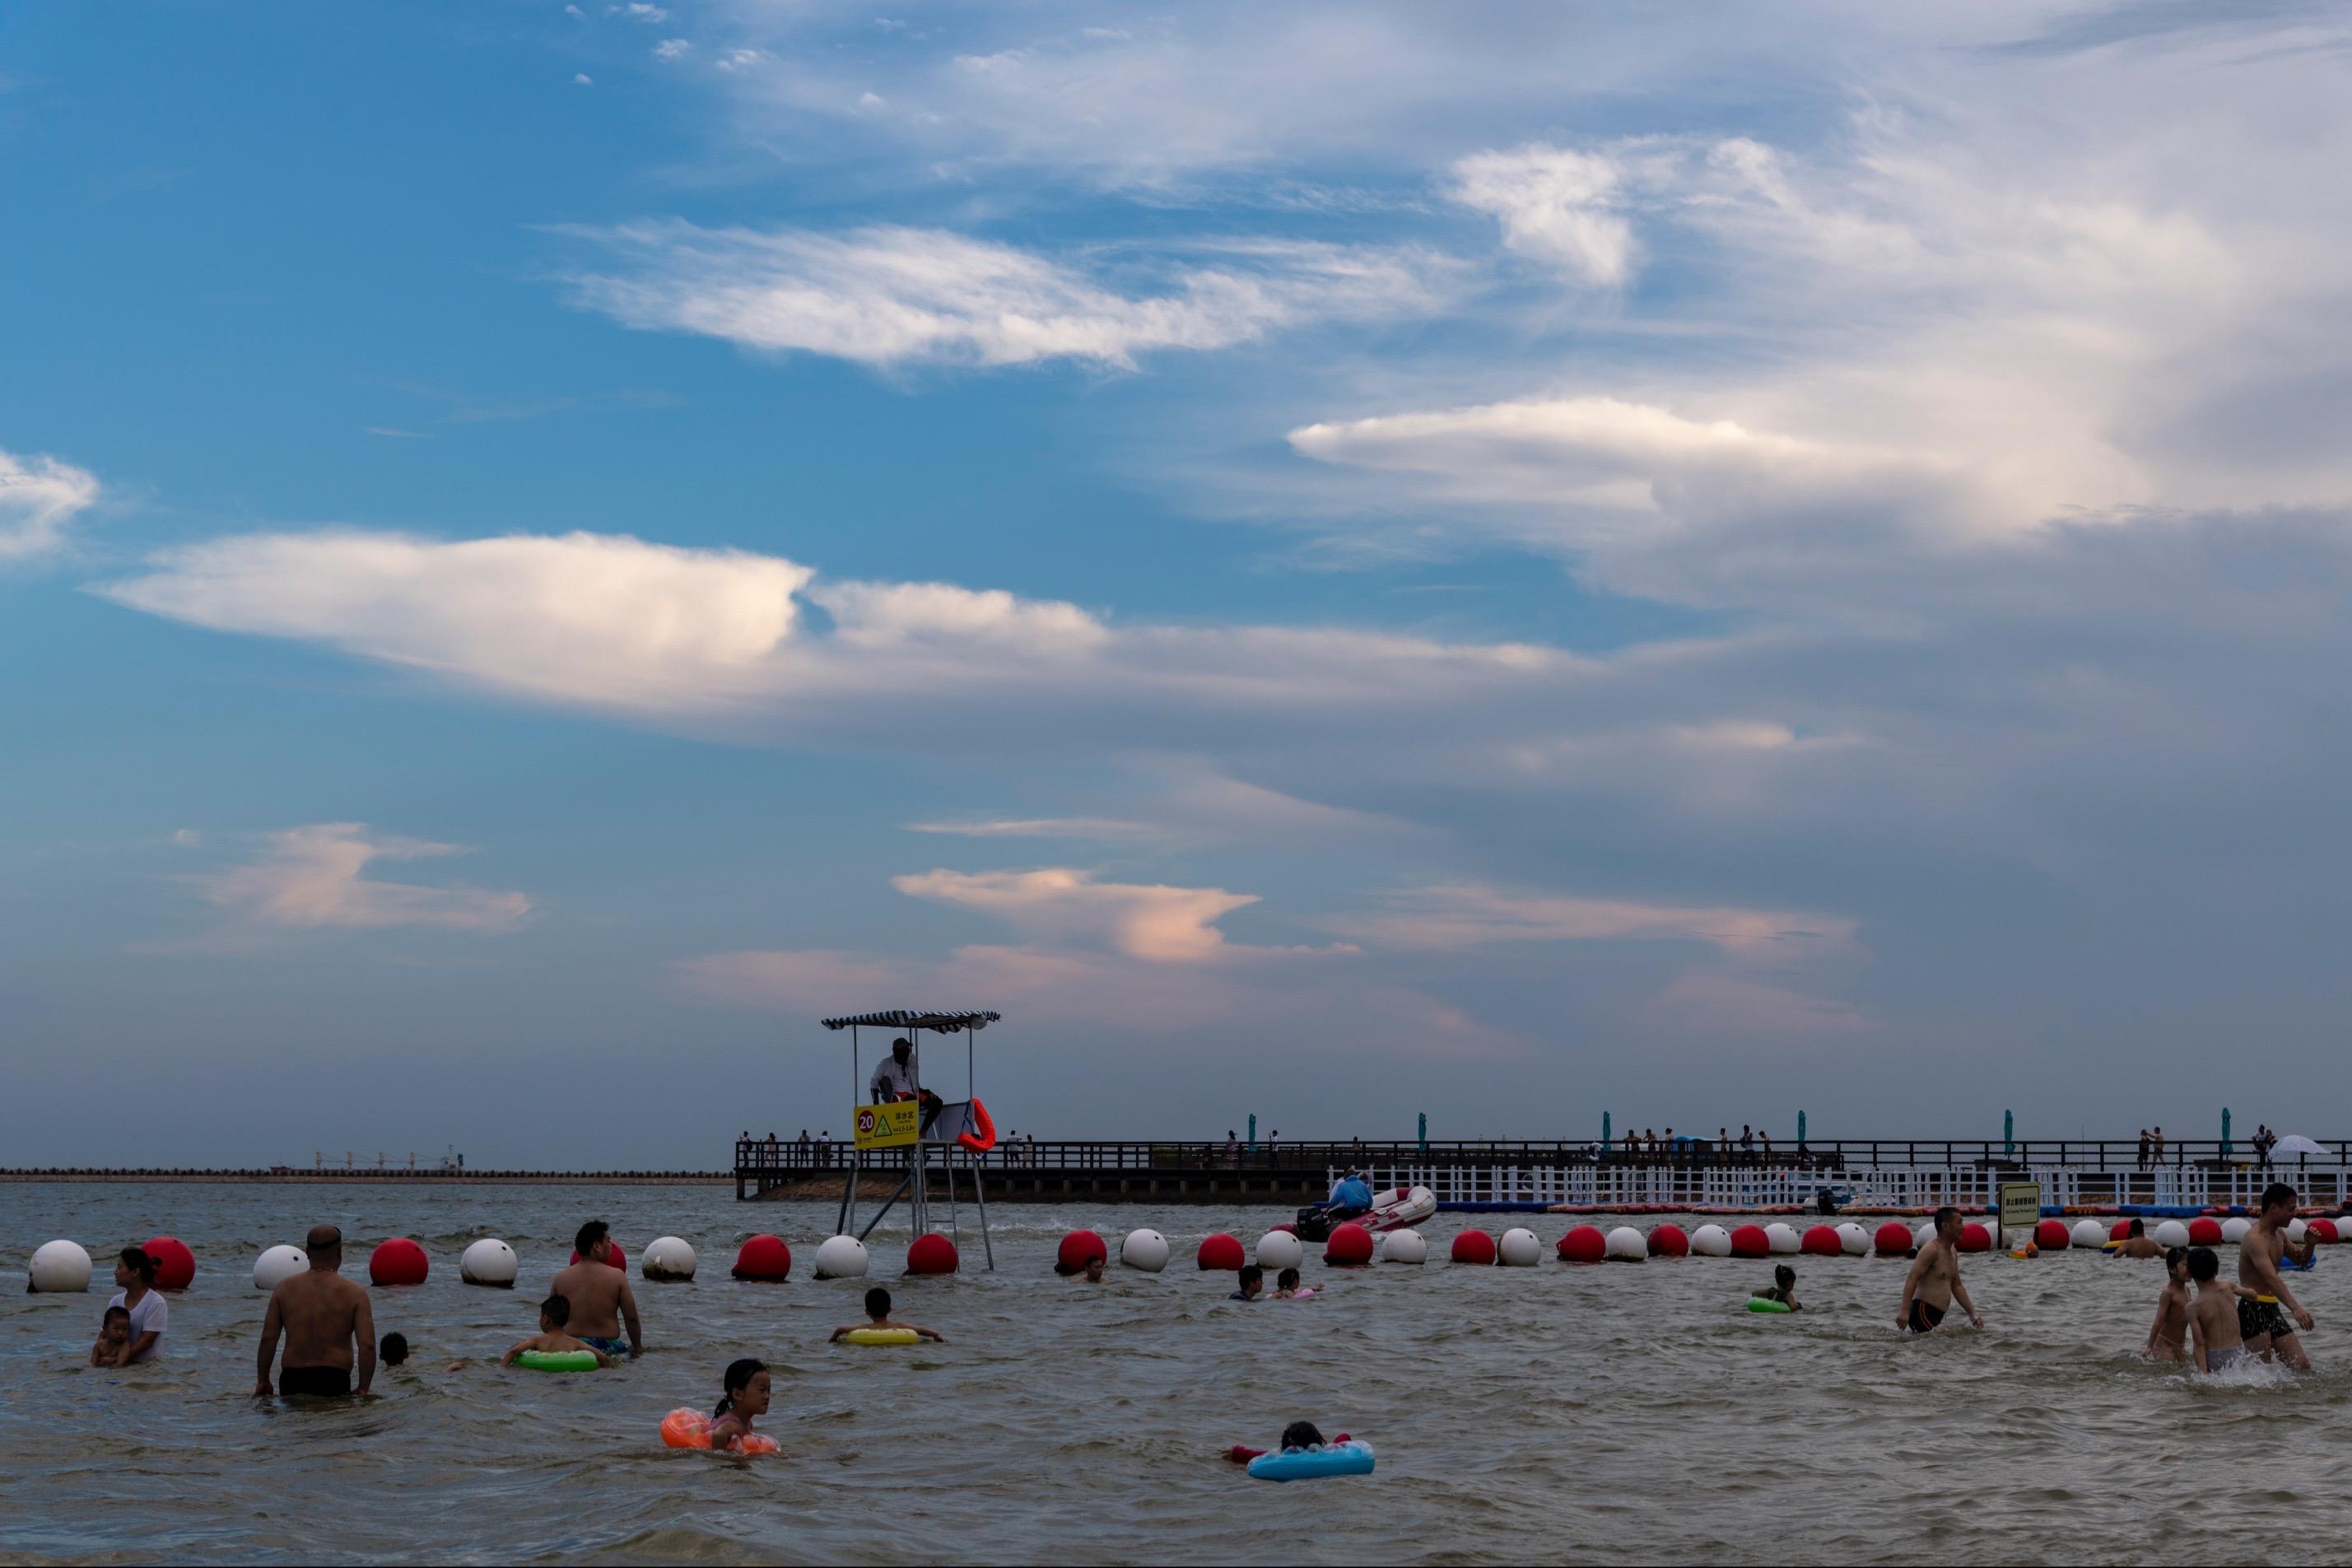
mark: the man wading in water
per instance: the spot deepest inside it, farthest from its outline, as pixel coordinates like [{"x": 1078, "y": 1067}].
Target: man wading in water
[
  {"x": 2261, "y": 1323},
  {"x": 1935, "y": 1280},
  {"x": 598, "y": 1289},
  {"x": 323, "y": 1316}
]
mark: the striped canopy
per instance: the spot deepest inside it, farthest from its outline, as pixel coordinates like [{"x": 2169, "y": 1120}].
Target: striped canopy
[{"x": 945, "y": 1022}]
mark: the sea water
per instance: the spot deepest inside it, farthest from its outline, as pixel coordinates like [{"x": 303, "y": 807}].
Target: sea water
[{"x": 1612, "y": 1414}]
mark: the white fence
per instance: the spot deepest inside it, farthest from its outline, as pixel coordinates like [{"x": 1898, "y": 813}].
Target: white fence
[{"x": 1704, "y": 1184}]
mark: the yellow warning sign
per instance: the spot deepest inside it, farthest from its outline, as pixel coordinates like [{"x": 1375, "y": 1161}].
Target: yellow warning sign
[{"x": 886, "y": 1126}]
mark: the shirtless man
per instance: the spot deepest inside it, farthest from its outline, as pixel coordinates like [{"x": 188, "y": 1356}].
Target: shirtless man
[
  {"x": 1935, "y": 1280},
  {"x": 322, "y": 1316},
  {"x": 598, "y": 1289},
  {"x": 2264, "y": 1320},
  {"x": 2137, "y": 1245}
]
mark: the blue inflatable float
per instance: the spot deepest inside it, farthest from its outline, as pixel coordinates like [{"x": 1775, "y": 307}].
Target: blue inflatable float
[{"x": 1352, "y": 1457}]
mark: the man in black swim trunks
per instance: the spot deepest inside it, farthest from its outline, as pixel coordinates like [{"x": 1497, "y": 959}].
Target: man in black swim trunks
[
  {"x": 2264, "y": 1321},
  {"x": 1935, "y": 1280},
  {"x": 327, "y": 1325}
]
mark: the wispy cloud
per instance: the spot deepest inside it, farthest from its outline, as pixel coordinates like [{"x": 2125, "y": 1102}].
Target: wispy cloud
[
  {"x": 39, "y": 498},
  {"x": 892, "y": 296},
  {"x": 1158, "y": 923},
  {"x": 315, "y": 877},
  {"x": 1466, "y": 916}
]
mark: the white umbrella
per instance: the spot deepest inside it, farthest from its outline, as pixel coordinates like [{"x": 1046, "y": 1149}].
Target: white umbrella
[{"x": 2295, "y": 1144}]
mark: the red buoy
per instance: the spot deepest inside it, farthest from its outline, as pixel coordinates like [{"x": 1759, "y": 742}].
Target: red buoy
[
  {"x": 1350, "y": 1245},
  {"x": 1218, "y": 1251},
  {"x": 2323, "y": 1229},
  {"x": 764, "y": 1258},
  {"x": 1669, "y": 1242},
  {"x": 932, "y": 1254},
  {"x": 175, "y": 1264},
  {"x": 2052, "y": 1236},
  {"x": 2121, "y": 1230},
  {"x": 398, "y": 1261},
  {"x": 1892, "y": 1238},
  {"x": 2205, "y": 1231},
  {"x": 1749, "y": 1241},
  {"x": 1585, "y": 1244},
  {"x": 1975, "y": 1238},
  {"x": 1080, "y": 1245},
  {"x": 1473, "y": 1246},
  {"x": 1821, "y": 1242}
]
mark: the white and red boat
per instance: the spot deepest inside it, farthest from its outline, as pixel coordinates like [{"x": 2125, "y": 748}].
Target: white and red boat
[{"x": 1393, "y": 1209}]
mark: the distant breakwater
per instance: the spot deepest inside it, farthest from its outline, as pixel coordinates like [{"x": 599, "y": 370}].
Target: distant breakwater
[{"x": 304, "y": 1178}]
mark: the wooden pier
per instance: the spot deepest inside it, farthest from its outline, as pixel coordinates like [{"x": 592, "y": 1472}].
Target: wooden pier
[{"x": 1905, "y": 1174}]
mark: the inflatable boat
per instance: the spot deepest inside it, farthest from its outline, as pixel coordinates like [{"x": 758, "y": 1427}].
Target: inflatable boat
[{"x": 1392, "y": 1208}]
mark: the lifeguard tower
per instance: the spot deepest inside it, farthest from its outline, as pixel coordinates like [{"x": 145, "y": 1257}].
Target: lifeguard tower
[{"x": 959, "y": 1130}]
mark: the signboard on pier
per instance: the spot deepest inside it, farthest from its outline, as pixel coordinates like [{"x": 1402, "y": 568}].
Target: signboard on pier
[
  {"x": 2021, "y": 1206},
  {"x": 892, "y": 1126}
]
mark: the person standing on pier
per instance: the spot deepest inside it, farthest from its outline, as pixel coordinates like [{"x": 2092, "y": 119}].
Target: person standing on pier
[
  {"x": 1934, "y": 1281},
  {"x": 598, "y": 1289}
]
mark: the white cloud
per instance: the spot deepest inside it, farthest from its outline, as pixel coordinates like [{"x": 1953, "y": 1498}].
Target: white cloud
[
  {"x": 1157, "y": 923},
  {"x": 1466, "y": 915},
  {"x": 889, "y": 296},
  {"x": 738, "y": 59},
  {"x": 638, "y": 11},
  {"x": 315, "y": 877},
  {"x": 1556, "y": 204},
  {"x": 1107, "y": 829},
  {"x": 39, "y": 498},
  {"x": 581, "y": 79},
  {"x": 672, "y": 49}
]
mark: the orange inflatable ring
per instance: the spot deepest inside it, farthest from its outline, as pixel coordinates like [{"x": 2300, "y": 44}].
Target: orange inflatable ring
[
  {"x": 691, "y": 1429},
  {"x": 980, "y": 1143}
]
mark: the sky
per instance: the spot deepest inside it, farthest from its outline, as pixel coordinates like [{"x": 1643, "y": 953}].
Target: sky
[{"x": 1329, "y": 563}]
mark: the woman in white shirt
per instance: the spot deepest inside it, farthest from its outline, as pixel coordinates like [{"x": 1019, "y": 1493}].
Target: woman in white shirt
[{"x": 134, "y": 1270}]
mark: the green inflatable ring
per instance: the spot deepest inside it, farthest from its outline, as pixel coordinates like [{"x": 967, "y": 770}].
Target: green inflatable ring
[
  {"x": 1766, "y": 1304},
  {"x": 557, "y": 1361}
]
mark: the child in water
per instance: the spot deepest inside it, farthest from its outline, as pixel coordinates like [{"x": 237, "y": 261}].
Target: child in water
[
  {"x": 553, "y": 1313},
  {"x": 1252, "y": 1280},
  {"x": 1286, "y": 1288},
  {"x": 2214, "y": 1314},
  {"x": 1783, "y": 1289},
  {"x": 877, "y": 1316},
  {"x": 1298, "y": 1436},
  {"x": 745, "y": 1389},
  {"x": 2168, "y": 1337},
  {"x": 113, "y": 1333},
  {"x": 1094, "y": 1271}
]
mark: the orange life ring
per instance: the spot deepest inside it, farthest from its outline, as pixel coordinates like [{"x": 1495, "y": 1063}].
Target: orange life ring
[
  {"x": 980, "y": 1143},
  {"x": 691, "y": 1429}
]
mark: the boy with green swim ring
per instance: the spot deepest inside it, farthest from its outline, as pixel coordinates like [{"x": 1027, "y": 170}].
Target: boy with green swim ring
[
  {"x": 877, "y": 1316},
  {"x": 1783, "y": 1291},
  {"x": 551, "y": 1339}
]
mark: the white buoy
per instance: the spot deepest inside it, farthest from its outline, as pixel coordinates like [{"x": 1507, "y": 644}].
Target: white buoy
[
  {"x": 841, "y": 1258},
  {"x": 2234, "y": 1229},
  {"x": 488, "y": 1262},
  {"x": 666, "y": 1258},
  {"x": 1627, "y": 1245},
  {"x": 1711, "y": 1241},
  {"x": 278, "y": 1264},
  {"x": 2171, "y": 1233},
  {"x": 1144, "y": 1249},
  {"x": 1280, "y": 1250},
  {"x": 59, "y": 1266},
  {"x": 1782, "y": 1238},
  {"x": 1925, "y": 1234},
  {"x": 1853, "y": 1240},
  {"x": 2295, "y": 1231},
  {"x": 1405, "y": 1247},
  {"x": 1518, "y": 1248},
  {"x": 2089, "y": 1233}
]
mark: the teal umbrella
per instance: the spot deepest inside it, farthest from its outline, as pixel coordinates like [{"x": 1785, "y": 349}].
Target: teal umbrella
[
  {"x": 2008, "y": 1133},
  {"x": 1424, "y": 1132},
  {"x": 2225, "y": 1132},
  {"x": 1605, "y": 1132},
  {"x": 1253, "y": 1148}
]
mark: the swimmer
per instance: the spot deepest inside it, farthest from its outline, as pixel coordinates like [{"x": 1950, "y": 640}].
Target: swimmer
[
  {"x": 553, "y": 1313},
  {"x": 2262, "y": 1322},
  {"x": 877, "y": 1316},
  {"x": 113, "y": 1337},
  {"x": 135, "y": 1272},
  {"x": 1934, "y": 1280},
  {"x": 1252, "y": 1280},
  {"x": 745, "y": 1395},
  {"x": 598, "y": 1289},
  {"x": 392, "y": 1349},
  {"x": 1093, "y": 1271},
  {"x": 1286, "y": 1288},
  {"x": 327, "y": 1323},
  {"x": 2135, "y": 1244},
  {"x": 2168, "y": 1337},
  {"x": 2214, "y": 1314},
  {"x": 1301, "y": 1435},
  {"x": 1783, "y": 1289}
]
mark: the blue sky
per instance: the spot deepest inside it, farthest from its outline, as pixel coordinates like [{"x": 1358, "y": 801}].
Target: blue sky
[{"x": 1331, "y": 563}]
